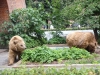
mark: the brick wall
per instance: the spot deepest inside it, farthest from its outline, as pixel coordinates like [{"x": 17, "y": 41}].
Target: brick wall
[
  {"x": 3, "y": 11},
  {"x": 7, "y": 6},
  {"x": 15, "y": 4}
]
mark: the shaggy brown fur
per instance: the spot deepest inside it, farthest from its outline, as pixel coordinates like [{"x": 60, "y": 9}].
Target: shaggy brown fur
[
  {"x": 84, "y": 40},
  {"x": 16, "y": 46}
]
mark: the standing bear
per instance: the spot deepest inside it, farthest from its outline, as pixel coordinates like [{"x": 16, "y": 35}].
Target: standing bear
[
  {"x": 16, "y": 47},
  {"x": 85, "y": 40}
]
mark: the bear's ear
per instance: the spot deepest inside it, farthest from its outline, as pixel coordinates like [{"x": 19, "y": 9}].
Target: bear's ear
[
  {"x": 15, "y": 42},
  {"x": 15, "y": 38}
]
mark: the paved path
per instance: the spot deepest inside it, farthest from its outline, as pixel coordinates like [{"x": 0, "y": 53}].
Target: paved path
[{"x": 3, "y": 57}]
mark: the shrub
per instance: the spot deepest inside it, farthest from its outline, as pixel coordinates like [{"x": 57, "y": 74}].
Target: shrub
[
  {"x": 30, "y": 41},
  {"x": 57, "y": 39},
  {"x": 26, "y": 21}
]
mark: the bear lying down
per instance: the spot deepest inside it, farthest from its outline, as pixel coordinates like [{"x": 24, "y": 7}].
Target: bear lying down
[
  {"x": 85, "y": 40},
  {"x": 16, "y": 47}
]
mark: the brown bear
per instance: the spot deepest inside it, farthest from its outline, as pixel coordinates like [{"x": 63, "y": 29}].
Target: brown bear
[
  {"x": 84, "y": 40},
  {"x": 16, "y": 47}
]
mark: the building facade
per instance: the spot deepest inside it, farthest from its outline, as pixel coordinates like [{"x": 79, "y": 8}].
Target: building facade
[{"x": 7, "y": 6}]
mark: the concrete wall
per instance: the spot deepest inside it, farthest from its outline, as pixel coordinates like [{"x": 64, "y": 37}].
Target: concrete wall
[{"x": 48, "y": 34}]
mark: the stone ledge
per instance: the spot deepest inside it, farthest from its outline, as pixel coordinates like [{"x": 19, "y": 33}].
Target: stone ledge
[{"x": 77, "y": 66}]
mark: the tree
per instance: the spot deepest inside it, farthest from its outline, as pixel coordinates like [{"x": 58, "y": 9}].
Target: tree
[
  {"x": 87, "y": 12},
  {"x": 91, "y": 15},
  {"x": 54, "y": 10}
]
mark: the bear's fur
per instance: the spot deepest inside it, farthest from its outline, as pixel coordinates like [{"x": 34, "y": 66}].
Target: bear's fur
[
  {"x": 84, "y": 40},
  {"x": 16, "y": 47}
]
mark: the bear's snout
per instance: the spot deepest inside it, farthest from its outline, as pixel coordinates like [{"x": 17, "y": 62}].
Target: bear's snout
[{"x": 25, "y": 47}]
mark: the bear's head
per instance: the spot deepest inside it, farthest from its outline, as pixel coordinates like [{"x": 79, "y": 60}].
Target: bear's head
[
  {"x": 19, "y": 44},
  {"x": 91, "y": 47}
]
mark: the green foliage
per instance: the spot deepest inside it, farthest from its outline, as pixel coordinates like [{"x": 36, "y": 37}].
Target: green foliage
[
  {"x": 26, "y": 22},
  {"x": 87, "y": 13},
  {"x": 76, "y": 53},
  {"x": 5, "y": 34},
  {"x": 39, "y": 54},
  {"x": 72, "y": 10},
  {"x": 91, "y": 14},
  {"x": 51, "y": 71},
  {"x": 30, "y": 41},
  {"x": 57, "y": 39},
  {"x": 54, "y": 10},
  {"x": 44, "y": 54}
]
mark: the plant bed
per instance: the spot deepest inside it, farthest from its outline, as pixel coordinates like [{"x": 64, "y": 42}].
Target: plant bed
[
  {"x": 95, "y": 60},
  {"x": 91, "y": 61},
  {"x": 44, "y": 55}
]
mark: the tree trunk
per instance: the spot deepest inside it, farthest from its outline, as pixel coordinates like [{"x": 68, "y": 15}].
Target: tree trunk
[{"x": 95, "y": 33}]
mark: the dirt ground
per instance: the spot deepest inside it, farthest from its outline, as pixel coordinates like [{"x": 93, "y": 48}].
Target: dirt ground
[{"x": 97, "y": 51}]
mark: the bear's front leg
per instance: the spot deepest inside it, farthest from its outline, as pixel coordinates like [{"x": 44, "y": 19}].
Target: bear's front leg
[
  {"x": 19, "y": 55},
  {"x": 11, "y": 58}
]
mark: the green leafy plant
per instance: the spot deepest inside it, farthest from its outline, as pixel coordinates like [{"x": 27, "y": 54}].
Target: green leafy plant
[
  {"x": 44, "y": 54},
  {"x": 30, "y": 41},
  {"x": 39, "y": 54},
  {"x": 77, "y": 53}
]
